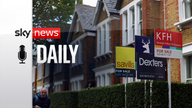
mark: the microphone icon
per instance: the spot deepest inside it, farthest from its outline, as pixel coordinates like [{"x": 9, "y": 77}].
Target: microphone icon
[{"x": 22, "y": 55}]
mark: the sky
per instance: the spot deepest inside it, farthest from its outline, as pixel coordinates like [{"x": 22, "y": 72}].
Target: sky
[{"x": 90, "y": 2}]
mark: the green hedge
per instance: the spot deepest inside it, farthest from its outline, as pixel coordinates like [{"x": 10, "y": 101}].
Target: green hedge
[
  {"x": 104, "y": 97},
  {"x": 64, "y": 100},
  {"x": 114, "y": 97},
  {"x": 135, "y": 95}
]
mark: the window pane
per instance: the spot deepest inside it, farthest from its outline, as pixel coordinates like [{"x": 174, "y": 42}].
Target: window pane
[
  {"x": 109, "y": 36},
  {"x": 188, "y": 7},
  {"x": 103, "y": 80},
  {"x": 189, "y": 67}
]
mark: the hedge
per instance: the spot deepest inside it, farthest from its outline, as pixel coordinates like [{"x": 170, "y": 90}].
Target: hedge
[
  {"x": 64, "y": 100},
  {"x": 114, "y": 96},
  {"x": 104, "y": 97}
]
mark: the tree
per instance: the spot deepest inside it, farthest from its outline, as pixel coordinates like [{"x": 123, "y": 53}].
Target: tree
[{"x": 53, "y": 13}]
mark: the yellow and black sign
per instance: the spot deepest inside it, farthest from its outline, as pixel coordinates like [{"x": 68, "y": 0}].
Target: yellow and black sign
[{"x": 125, "y": 57}]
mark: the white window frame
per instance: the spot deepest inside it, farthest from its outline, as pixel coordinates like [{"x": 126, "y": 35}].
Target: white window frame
[
  {"x": 76, "y": 82},
  {"x": 47, "y": 69},
  {"x": 33, "y": 74},
  {"x": 140, "y": 18},
  {"x": 101, "y": 41},
  {"x": 127, "y": 10},
  {"x": 40, "y": 71}
]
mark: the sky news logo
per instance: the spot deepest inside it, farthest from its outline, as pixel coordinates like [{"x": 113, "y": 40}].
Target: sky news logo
[{"x": 46, "y": 33}]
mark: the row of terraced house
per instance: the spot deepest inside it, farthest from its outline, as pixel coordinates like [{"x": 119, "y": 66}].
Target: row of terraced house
[{"x": 97, "y": 30}]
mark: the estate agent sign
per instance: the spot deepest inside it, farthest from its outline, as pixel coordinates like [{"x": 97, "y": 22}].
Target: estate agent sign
[
  {"x": 168, "y": 44},
  {"x": 124, "y": 61}
]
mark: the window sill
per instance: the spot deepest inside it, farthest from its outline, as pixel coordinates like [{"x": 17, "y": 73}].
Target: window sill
[
  {"x": 79, "y": 65},
  {"x": 39, "y": 79},
  {"x": 46, "y": 76},
  {"x": 97, "y": 58},
  {"x": 130, "y": 43},
  {"x": 179, "y": 24}
]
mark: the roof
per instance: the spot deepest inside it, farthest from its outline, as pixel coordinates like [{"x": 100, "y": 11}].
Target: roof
[
  {"x": 85, "y": 14},
  {"x": 118, "y": 4},
  {"x": 110, "y": 8}
]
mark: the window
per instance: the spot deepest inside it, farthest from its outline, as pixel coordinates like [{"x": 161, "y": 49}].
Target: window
[
  {"x": 33, "y": 74},
  {"x": 109, "y": 79},
  {"x": 188, "y": 8},
  {"x": 80, "y": 85},
  {"x": 103, "y": 80},
  {"x": 104, "y": 32},
  {"x": 98, "y": 81},
  {"x": 104, "y": 37},
  {"x": 77, "y": 28},
  {"x": 40, "y": 71},
  {"x": 126, "y": 26},
  {"x": 140, "y": 18},
  {"x": 100, "y": 41},
  {"x": 133, "y": 22},
  {"x": 76, "y": 85},
  {"x": 189, "y": 68},
  {"x": 109, "y": 26},
  {"x": 46, "y": 69},
  {"x": 78, "y": 57}
]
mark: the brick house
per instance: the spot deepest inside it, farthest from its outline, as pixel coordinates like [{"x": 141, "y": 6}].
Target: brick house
[
  {"x": 106, "y": 19},
  {"x": 60, "y": 71},
  {"x": 82, "y": 33},
  {"x": 143, "y": 16},
  {"x": 180, "y": 20}
]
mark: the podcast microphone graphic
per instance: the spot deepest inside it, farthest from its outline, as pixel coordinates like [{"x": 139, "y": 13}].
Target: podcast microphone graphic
[{"x": 22, "y": 55}]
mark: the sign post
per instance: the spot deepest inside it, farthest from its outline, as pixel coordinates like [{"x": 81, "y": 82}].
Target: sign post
[
  {"x": 168, "y": 45},
  {"x": 124, "y": 63}
]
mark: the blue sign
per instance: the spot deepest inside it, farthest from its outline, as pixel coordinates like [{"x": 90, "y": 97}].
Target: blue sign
[
  {"x": 144, "y": 45},
  {"x": 125, "y": 73},
  {"x": 150, "y": 67}
]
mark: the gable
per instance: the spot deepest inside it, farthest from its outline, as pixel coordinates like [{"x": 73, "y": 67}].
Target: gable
[
  {"x": 125, "y": 2},
  {"x": 77, "y": 34},
  {"x": 102, "y": 16}
]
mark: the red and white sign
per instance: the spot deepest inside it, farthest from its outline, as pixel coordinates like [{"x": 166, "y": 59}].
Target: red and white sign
[
  {"x": 168, "y": 44},
  {"x": 46, "y": 33},
  {"x": 168, "y": 38}
]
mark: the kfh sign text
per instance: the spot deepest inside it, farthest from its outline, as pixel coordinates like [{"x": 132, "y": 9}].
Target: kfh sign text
[{"x": 168, "y": 44}]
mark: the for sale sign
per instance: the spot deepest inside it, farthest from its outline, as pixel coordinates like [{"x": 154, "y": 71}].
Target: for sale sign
[
  {"x": 124, "y": 61},
  {"x": 150, "y": 67},
  {"x": 168, "y": 44}
]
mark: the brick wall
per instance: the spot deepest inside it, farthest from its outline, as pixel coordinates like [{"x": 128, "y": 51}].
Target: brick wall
[
  {"x": 125, "y": 2},
  {"x": 102, "y": 15},
  {"x": 74, "y": 36}
]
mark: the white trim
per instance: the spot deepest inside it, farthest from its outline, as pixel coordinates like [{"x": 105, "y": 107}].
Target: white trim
[
  {"x": 187, "y": 49},
  {"x": 76, "y": 82},
  {"x": 46, "y": 85},
  {"x": 109, "y": 67},
  {"x": 104, "y": 71},
  {"x": 107, "y": 10},
  {"x": 182, "y": 19},
  {"x": 58, "y": 82},
  {"x": 79, "y": 38},
  {"x": 76, "y": 78},
  {"x": 90, "y": 34},
  {"x": 104, "y": 22},
  {"x": 39, "y": 88}
]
